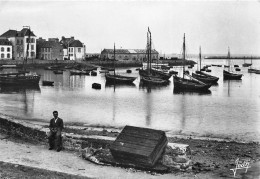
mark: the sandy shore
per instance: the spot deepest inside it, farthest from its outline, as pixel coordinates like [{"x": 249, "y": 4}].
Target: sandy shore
[{"x": 210, "y": 158}]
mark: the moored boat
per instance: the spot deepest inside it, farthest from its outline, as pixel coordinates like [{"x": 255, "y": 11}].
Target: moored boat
[{"x": 192, "y": 84}]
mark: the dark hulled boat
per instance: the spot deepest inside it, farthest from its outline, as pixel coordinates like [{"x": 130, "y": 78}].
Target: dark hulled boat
[
  {"x": 204, "y": 77},
  {"x": 231, "y": 76},
  {"x": 116, "y": 78},
  {"x": 19, "y": 79},
  {"x": 110, "y": 78},
  {"x": 228, "y": 75},
  {"x": 182, "y": 84}
]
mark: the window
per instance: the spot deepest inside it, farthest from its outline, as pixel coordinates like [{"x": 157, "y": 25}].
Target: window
[
  {"x": 2, "y": 49},
  {"x": 27, "y": 40},
  {"x": 32, "y": 40},
  {"x": 32, "y": 54},
  {"x": 32, "y": 47},
  {"x": 2, "y": 55},
  {"x": 49, "y": 49},
  {"x": 8, "y": 49},
  {"x": 45, "y": 56},
  {"x": 18, "y": 41},
  {"x": 71, "y": 49},
  {"x": 42, "y": 49},
  {"x": 79, "y": 50},
  {"x": 8, "y": 55},
  {"x": 21, "y": 41},
  {"x": 49, "y": 56}
]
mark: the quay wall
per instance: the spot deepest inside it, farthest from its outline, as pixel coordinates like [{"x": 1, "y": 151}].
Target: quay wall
[
  {"x": 38, "y": 133},
  {"x": 42, "y": 63}
]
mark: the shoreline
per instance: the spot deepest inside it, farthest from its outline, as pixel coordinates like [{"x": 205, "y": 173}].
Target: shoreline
[{"x": 211, "y": 156}]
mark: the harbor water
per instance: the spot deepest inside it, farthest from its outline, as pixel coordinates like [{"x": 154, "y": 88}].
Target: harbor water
[{"x": 230, "y": 110}]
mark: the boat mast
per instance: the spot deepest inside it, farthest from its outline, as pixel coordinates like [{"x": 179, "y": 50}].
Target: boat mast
[
  {"x": 228, "y": 60},
  {"x": 200, "y": 58},
  {"x": 150, "y": 50},
  {"x": 147, "y": 46},
  {"x": 114, "y": 59},
  {"x": 183, "y": 67}
]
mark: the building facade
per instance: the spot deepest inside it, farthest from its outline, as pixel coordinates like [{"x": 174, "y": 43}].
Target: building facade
[
  {"x": 49, "y": 50},
  {"x": 5, "y": 49},
  {"x": 21, "y": 41},
  {"x": 72, "y": 49},
  {"x": 128, "y": 54}
]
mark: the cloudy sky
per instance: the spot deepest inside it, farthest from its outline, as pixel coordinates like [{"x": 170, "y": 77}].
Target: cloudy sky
[{"x": 213, "y": 25}]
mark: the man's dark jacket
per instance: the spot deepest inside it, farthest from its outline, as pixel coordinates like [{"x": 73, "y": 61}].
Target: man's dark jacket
[{"x": 57, "y": 125}]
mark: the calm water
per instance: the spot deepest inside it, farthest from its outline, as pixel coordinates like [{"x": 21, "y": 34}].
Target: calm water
[{"x": 230, "y": 110}]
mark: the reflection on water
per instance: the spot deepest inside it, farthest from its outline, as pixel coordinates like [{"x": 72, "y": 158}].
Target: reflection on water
[{"x": 229, "y": 109}]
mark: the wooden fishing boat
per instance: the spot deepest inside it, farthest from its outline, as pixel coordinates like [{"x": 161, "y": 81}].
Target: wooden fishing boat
[
  {"x": 116, "y": 78},
  {"x": 58, "y": 72},
  {"x": 150, "y": 75},
  {"x": 204, "y": 77},
  {"x": 47, "y": 83},
  {"x": 119, "y": 78},
  {"x": 192, "y": 84},
  {"x": 246, "y": 64},
  {"x": 228, "y": 75},
  {"x": 231, "y": 76}
]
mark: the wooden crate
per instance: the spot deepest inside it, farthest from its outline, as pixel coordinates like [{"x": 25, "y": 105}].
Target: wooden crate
[{"x": 140, "y": 146}]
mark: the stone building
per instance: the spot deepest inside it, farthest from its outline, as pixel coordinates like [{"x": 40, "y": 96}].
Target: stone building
[
  {"x": 20, "y": 42},
  {"x": 5, "y": 49},
  {"x": 128, "y": 54},
  {"x": 49, "y": 50},
  {"x": 72, "y": 49}
]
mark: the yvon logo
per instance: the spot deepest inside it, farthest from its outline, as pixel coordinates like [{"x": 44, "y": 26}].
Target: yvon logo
[{"x": 240, "y": 165}]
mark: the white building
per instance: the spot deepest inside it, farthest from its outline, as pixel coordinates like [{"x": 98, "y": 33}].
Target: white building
[
  {"x": 20, "y": 41},
  {"x": 72, "y": 49},
  {"x": 5, "y": 49}
]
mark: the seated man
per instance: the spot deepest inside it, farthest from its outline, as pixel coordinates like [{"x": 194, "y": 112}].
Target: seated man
[{"x": 56, "y": 126}]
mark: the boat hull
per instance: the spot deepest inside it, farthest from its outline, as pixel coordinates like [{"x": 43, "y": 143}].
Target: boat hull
[
  {"x": 119, "y": 79},
  {"x": 20, "y": 80},
  {"x": 205, "y": 79},
  {"x": 231, "y": 76},
  {"x": 189, "y": 85},
  {"x": 153, "y": 81}
]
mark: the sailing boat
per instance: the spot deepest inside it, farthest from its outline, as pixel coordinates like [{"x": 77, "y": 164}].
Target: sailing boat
[
  {"x": 204, "y": 77},
  {"x": 246, "y": 64},
  {"x": 113, "y": 78},
  {"x": 253, "y": 70},
  {"x": 192, "y": 84},
  {"x": 21, "y": 78},
  {"x": 228, "y": 75},
  {"x": 148, "y": 76}
]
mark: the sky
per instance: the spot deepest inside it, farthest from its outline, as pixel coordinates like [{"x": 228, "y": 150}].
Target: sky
[{"x": 213, "y": 25}]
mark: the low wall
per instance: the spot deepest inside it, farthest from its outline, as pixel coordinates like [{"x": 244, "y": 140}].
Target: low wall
[
  {"x": 42, "y": 63},
  {"x": 38, "y": 133}
]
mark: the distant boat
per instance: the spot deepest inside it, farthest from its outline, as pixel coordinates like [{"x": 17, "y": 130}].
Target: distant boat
[
  {"x": 246, "y": 64},
  {"x": 228, "y": 75},
  {"x": 116, "y": 78},
  {"x": 47, "y": 83},
  {"x": 204, "y": 77},
  {"x": 192, "y": 84},
  {"x": 252, "y": 70},
  {"x": 58, "y": 71}
]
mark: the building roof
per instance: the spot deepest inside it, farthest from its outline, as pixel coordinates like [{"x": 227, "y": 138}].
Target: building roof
[
  {"x": 5, "y": 42},
  {"x": 15, "y": 33},
  {"x": 75, "y": 43},
  {"x": 127, "y": 51},
  {"x": 48, "y": 44}
]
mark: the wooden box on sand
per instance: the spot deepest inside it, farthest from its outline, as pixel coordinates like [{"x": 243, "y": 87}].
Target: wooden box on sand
[{"x": 140, "y": 146}]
